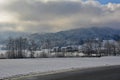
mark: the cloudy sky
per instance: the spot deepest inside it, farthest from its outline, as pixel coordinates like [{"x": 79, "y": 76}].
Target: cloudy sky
[{"x": 57, "y": 15}]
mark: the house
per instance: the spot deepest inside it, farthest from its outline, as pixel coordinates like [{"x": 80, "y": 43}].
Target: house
[
  {"x": 71, "y": 48},
  {"x": 63, "y": 49},
  {"x": 80, "y": 48},
  {"x": 57, "y": 49}
]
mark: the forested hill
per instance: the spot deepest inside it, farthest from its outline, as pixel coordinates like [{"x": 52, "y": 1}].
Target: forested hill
[
  {"x": 77, "y": 36},
  {"x": 10, "y": 34}
]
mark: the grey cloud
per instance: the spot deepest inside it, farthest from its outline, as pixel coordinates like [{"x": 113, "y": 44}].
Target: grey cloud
[
  {"x": 7, "y": 26},
  {"x": 36, "y": 28},
  {"x": 40, "y": 11},
  {"x": 52, "y": 16}
]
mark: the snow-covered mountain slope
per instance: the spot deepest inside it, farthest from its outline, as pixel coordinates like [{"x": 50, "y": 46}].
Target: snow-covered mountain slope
[
  {"x": 77, "y": 36},
  {"x": 74, "y": 36}
]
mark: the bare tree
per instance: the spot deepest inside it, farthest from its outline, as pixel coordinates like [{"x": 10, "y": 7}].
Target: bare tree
[
  {"x": 32, "y": 47},
  {"x": 10, "y": 48},
  {"x": 114, "y": 48},
  {"x": 87, "y": 47},
  {"x": 118, "y": 47},
  {"x": 16, "y": 47},
  {"x": 98, "y": 46}
]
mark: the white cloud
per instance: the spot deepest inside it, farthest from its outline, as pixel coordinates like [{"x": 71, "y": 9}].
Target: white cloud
[
  {"x": 57, "y": 15},
  {"x": 3, "y": 2},
  {"x": 6, "y": 17}
]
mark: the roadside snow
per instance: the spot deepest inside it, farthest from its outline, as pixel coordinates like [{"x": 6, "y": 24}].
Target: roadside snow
[{"x": 11, "y": 67}]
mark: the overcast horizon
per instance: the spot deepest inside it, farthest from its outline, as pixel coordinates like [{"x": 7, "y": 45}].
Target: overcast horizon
[{"x": 57, "y": 15}]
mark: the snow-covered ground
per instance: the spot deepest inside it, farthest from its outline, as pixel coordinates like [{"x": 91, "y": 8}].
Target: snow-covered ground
[{"x": 11, "y": 67}]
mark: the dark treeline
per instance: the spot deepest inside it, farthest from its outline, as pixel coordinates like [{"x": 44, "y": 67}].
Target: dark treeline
[
  {"x": 21, "y": 47},
  {"x": 16, "y": 48},
  {"x": 104, "y": 48}
]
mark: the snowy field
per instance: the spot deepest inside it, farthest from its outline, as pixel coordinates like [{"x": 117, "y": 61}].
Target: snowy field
[{"x": 13, "y": 67}]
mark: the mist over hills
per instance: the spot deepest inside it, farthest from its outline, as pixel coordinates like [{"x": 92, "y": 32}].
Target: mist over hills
[
  {"x": 5, "y": 35},
  {"x": 69, "y": 37}
]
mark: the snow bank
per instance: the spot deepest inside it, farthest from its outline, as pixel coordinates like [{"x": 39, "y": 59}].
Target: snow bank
[{"x": 11, "y": 67}]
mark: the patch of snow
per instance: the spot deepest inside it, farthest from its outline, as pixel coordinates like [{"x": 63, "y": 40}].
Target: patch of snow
[{"x": 11, "y": 67}]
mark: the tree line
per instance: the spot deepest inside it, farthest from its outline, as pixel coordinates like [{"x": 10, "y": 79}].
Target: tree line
[
  {"x": 19, "y": 47},
  {"x": 102, "y": 48}
]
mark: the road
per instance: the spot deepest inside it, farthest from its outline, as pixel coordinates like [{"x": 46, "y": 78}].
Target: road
[{"x": 100, "y": 73}]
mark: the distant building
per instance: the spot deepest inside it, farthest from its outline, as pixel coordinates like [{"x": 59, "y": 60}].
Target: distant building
[
  {"x": 71, "y": 48},
  {"x": 57, "y": 49}
]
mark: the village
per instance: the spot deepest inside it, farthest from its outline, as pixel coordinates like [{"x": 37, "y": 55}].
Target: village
[{"x": 94, "y": 48}]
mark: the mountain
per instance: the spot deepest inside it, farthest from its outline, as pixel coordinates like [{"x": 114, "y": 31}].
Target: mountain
[
  {"x": 70, "y": 37},
  {"x": 78, "y": 36},
  {"x": 5, "y": 35}
]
